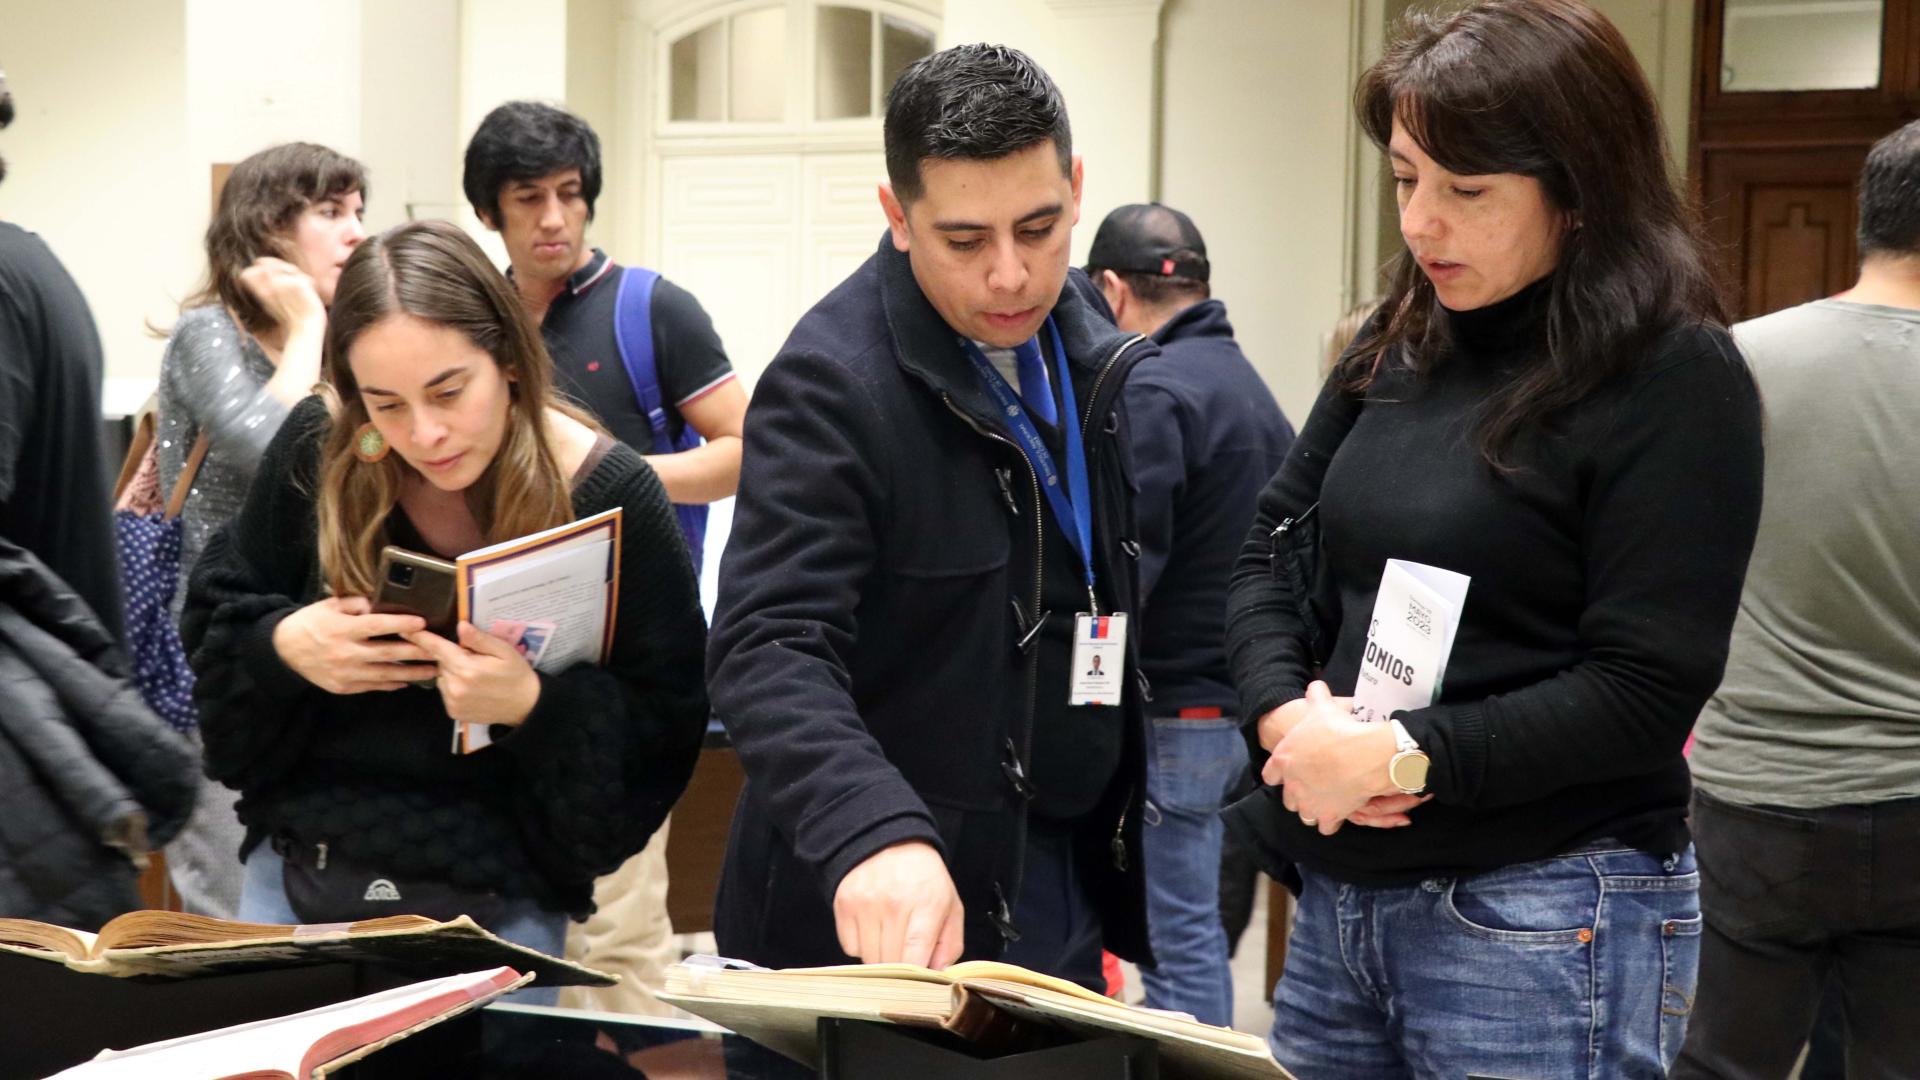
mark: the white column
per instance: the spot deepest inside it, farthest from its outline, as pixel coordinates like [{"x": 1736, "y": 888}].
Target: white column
[
  {"x": 1258, "y": 146},
  {"x": 410, "y": 110},
  {"x": 1103, "y": 54},
  {"x": 509, "y": 49},
  {"x": 243, "y": 96},
  {"x": 1108, "y": 70}
]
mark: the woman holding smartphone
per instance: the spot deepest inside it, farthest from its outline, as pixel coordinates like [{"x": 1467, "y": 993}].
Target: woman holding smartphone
[
  {"x": 442, "y": 435},
  {"x": 1502, "y": 882}
]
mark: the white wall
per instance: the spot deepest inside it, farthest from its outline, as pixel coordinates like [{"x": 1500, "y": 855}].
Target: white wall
[
  {"x": 1254, "y": 146},
  {"x": 242, "y": 97},
  {"x": 1101, "y": 54},
  {"x": 97, "y": 158},
  {"x": 509, "y": 49},
  {"x": 1660, "y": 33},
  {"x": 409, "y": 133},
  {"x": 593, "y": 91},
  {"x": 126, "y": 106}
]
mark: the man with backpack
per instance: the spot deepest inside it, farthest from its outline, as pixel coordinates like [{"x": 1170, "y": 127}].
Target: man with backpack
[
  {"x": 641, "y": 353},
  {"x": 633, "y": 347}
]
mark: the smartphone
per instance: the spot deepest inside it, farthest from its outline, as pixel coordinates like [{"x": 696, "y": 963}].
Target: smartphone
[{"x": 414, "y": 584}]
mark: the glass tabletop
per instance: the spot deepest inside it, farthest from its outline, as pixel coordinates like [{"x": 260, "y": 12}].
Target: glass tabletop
[{"x": 522, "y": 1042}]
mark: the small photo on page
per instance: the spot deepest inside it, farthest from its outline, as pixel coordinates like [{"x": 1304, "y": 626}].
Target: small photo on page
[{"x": 530, "y": 638}]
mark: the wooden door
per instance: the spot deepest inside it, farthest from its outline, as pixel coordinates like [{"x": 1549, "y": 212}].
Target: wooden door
[
  {"x": 1784, "y": 222},
  {"x": 1777, "y": 168}
]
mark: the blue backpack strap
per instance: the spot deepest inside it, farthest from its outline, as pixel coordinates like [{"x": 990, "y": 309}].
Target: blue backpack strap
[{"x": 633, "y": 333}]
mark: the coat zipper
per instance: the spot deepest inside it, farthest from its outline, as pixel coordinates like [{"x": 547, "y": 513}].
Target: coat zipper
[
  {"x": 1086, "y": 426},
  {"x": 1118, "y": 845},
  {"x": 1039, "y": 617}
]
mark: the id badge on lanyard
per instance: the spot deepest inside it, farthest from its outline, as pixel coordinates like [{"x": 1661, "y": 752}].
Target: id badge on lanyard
[
  {"x": 1097, "y": 671},
  {"x": 1099, "y": 666}
]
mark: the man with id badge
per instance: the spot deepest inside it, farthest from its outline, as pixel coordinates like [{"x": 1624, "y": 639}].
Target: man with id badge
[{"x": 921, "y": 645}]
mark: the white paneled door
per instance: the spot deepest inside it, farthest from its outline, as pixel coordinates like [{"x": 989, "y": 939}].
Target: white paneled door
[{"x": 760, "y": 237}]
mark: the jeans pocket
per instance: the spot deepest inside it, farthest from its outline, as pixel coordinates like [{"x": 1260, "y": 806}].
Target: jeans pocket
[
  {"x": 1548, "y": 903},
  {"x": 1755, "y": 865},
  {"x": 1680, "y": 978},
  {"x": 1194, "y": 763}
]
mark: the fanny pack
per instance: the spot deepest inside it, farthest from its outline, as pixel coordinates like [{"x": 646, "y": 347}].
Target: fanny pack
[{"x": 323, "y": 887}]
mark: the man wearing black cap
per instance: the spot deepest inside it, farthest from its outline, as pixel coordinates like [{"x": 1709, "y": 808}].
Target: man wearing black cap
[{"x": 1207, "y": 436}]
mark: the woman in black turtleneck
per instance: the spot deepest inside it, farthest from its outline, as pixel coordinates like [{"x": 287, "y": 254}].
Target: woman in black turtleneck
[{"x": 1547, "y": 403}]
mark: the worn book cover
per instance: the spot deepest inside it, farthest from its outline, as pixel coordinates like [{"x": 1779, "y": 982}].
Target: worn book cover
[{"x": 166, "y": 945}]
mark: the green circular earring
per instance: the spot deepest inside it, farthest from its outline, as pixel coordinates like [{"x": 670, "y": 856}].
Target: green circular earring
[{"x": 368, "y": 444}]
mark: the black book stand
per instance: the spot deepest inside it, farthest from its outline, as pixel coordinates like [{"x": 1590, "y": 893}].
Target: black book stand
[{"x": 862, "y": 1050}]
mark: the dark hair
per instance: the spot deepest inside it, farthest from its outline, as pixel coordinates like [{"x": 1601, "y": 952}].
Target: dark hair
[
  {"x": 258, "y": 205},
  {"x": 1890, "y": 195},
  {"x": 6, "y": 115},
  {"x": 1158, "y": 290},
  {"x": 974, "y": 103},
  {"x": 1546, "y": 89},
  {"x": 526, "y": 140}
]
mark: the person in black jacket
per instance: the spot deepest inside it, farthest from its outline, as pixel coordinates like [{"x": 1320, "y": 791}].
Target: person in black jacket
[
  {"x": 55, "y": 497},
  {"x": 445, "y": 437},
  {"x": 1502, "y": 882},
  {"x": 1207, "y": 436},
  {"x": 894, "y": 648},
  {"x": 90, "y": 779}
]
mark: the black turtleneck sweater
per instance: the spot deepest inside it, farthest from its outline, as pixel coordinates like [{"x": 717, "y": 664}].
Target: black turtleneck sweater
[{"x": 1605, "y": 576}]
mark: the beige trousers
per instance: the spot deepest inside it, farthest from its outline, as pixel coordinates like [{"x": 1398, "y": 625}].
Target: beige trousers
[{"x": 629, "y": 936}]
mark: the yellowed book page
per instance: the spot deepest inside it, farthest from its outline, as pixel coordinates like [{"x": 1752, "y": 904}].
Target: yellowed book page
[
  {"x": 1189, "y": 1050},
  {"x": 971, "y": 969},
  {"x": 31, "y": 936},
  {"x": 151, "y": 929},
  {"x": 405, "y": 941}
]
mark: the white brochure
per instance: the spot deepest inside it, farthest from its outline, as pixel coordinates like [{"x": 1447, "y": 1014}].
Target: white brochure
[{"x": 1415, "y": 615}]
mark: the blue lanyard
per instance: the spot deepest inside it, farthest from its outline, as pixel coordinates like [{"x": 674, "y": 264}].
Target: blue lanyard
[{"x": 1073, "y": 504}]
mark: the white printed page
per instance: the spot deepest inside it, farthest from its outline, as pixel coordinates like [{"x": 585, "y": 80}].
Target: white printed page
[
  {"x": 1416, "y": 613},
  {"x": 567, "y": 588}
]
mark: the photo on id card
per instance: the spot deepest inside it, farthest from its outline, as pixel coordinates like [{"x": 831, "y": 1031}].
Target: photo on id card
[{"x": 1097, "y": 672}]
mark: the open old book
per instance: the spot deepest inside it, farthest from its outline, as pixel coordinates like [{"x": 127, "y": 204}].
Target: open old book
[
  {"x": 981, "y": 1001},
  {"x": 177, "y": 945},
  {"x": 313, "y": 1043}
]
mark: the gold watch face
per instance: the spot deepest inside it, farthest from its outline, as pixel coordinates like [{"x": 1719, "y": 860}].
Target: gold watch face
[{"x": 1409, "y": 771}]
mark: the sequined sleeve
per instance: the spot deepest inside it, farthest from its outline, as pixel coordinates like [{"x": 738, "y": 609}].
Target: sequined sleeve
[{"x": 213, "y": 378}]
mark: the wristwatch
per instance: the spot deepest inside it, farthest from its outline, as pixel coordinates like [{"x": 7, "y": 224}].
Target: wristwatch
[{"x": 1408, "y": 769}]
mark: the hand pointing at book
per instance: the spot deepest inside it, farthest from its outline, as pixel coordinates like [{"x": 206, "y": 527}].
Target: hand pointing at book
[
  {"x": 483, "y": 680},
  {"x": 900, "y": 906}
]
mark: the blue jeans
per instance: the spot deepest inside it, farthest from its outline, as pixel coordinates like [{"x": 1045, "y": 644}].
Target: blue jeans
[
  {"x": 263, "y": 899},
  {"x": 1191, "y": 768},
  {"x": 1579, "y": 966}
]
